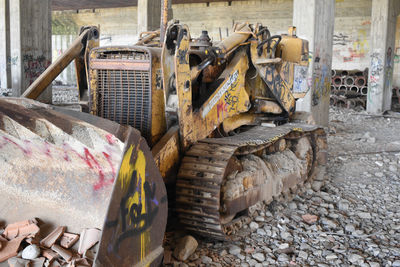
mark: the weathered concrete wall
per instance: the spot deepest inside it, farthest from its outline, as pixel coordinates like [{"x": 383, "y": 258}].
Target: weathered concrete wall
[
  {"x": 30, "y": 35},
  {"x": 351, "y": 47},
  {"x": 352, "y": 34},
  {"x": 276, "y": 14},
  {"x": 396, "y": 68}
]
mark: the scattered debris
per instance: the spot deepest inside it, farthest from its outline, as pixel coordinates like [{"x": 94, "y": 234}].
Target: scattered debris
[
  {"x": 20, "y": 246},
  {"x": 68, "y": 240},
  {"x": 52, "y": 238},
  {"x": 356, "y": 218},
  {"x": 89, "y": 238},
  {"x": 67, "y": 255},
  {"x": 31, "y": 252},
  {"x": 21, "y": 229},
  {"x": 310, "y": 219},
  {"x": 186, "y": 246},
  {"x": 10, "y": 248}
]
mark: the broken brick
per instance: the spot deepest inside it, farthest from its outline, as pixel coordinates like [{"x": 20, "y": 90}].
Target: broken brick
[
  {"x": 89, "y": 255},
  {"x": 310, "y": 219},
  {"x": 68, "y": 240},
  {"x": 65, "y": 254},
  {"x": 23, "y": 228},
  {"x": 49, "y": 254},
  {"x": 18, "y": 262},
  {"x": 39, "y": 262},
  {"x": 89, "y": 238},
  {"x": 55, "y": 264},
  {"x": 82, "y": 263},
  {"x": 10, "y": 248},
  {"x": 52, "y": 238}
]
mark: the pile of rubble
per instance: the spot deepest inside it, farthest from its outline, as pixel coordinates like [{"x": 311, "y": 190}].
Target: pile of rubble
[
  {"x": 22, "y": 245},
  {"x": 349, "y": 88}
]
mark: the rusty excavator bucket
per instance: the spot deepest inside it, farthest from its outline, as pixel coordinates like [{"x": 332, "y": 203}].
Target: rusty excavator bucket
[{"x": 73, "y": 169}]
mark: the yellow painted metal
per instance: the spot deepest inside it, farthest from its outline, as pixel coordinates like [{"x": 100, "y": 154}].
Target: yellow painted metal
[
  {"x": 236, "y": 121},
  {"x": 293, "y": 49},
  {"x": 292, "y": 31},
  {"x": 167, "y": 154},
  {"x": 158, "y": 119},
  {"x": 267, "y": 106},
  {"x": 229, "y": 99},
  {"x": 81, "y": 62},
  {"x": 241, "y": 33},
  {"x": 278, "y": 77}
]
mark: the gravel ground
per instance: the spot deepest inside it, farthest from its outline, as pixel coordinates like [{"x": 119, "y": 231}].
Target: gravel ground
[{"x": 352, "y": 220}]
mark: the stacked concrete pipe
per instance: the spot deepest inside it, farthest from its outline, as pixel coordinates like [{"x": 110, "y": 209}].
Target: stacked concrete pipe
[{"x": 349, "y": 88}]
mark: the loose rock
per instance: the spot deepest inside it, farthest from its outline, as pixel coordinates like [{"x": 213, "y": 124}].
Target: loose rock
[
  {"x": 31, "y": 252},
  {"x": 186, "y": 246}
]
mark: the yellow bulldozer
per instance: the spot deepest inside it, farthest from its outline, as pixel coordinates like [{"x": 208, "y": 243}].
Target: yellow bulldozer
[{"x": 212, "y": 122}]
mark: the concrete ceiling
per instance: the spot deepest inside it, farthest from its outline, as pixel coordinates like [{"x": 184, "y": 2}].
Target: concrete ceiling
[{"x": 90, "y": 4}]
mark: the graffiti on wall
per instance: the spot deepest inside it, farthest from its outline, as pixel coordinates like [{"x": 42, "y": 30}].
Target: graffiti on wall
[
  {"x": 340, "y": 39},
  {"x": 12, "y": 61},
  {"x": 348, "y": 47},
  {"x": 375, "y": 75},
  {"x": 321, "y": 78},
  {"x": 300, "y": 79},
  {"x": 396, "y": 58},
  {"x": 34, "y": 66}
]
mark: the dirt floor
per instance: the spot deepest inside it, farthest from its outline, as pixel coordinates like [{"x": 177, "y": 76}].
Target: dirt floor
[{"x": 358, "y": 211}]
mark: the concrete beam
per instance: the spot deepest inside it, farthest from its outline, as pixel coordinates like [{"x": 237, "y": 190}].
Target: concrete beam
[
  {"x": 383, "y": 32},
  {"x": 315, "y": 20},
  {"x": 30, "y": 39},
  {"x": 5, "y": 53},
  {"x": 149, "y": 15}
]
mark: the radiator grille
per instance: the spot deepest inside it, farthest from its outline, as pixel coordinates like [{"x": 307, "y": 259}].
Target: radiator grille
[{"x": 124, "y": 96}]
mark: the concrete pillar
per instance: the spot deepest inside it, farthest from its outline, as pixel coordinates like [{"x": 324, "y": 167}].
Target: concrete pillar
[
  {"x": 5, "y": 56},
  {"x": 149, "y": 15},
  {"x": 383, "y": 32},
  {"x": 30, "y": 22},
  {"x": 315, "y": 20}
]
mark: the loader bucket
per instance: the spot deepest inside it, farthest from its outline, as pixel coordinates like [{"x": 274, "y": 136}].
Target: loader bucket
[{"x": 73, "y": 169}]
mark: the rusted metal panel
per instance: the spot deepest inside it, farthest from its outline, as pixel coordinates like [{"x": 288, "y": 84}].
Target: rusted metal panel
[
  {"x": 126, "y": 87},
  {"x": 135, "y": 223},
  {"x": 67, "y": 168}
]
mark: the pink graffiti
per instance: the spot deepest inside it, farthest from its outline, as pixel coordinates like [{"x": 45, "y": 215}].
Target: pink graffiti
[
  {"x": 373, "y": 79},
  {"x": 110, "y": 138},
  {"x": 27, "y": 151},
  {"x": 221, "y": 108},
  {"x": 87, "y": 157},
  {"x": 93, "y": 164},
  {"x": 47, "y": 151},
  {"x": 107, "y": 156}
]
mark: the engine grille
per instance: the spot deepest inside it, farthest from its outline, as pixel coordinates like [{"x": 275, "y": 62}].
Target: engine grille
[{"x": 123, "y": 91}]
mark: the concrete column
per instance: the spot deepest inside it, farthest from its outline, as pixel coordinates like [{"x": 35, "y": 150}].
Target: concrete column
[
  {"x": 30, "y": 22},
  {"x": 5, "y": 56},
  {"x": 149, "y": 15},
  {"x": 315, "y": 20},
  {"x": 383, "y": 32}
]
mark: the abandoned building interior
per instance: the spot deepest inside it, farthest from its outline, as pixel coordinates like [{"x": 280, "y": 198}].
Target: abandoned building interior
[{"x": 199, "y": 133}]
